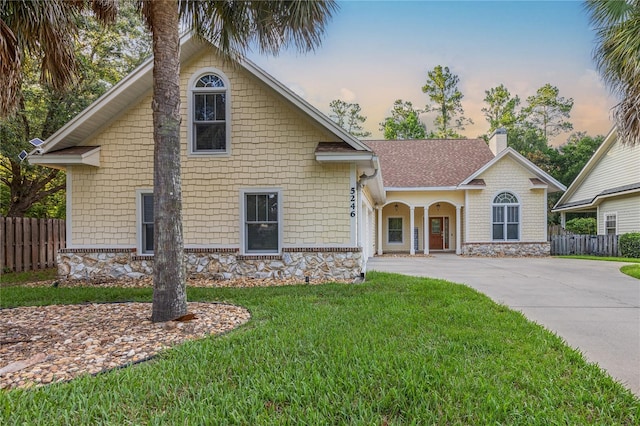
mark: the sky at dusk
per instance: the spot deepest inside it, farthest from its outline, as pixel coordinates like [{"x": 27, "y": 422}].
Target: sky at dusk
[{"x": 375, "y": 52}]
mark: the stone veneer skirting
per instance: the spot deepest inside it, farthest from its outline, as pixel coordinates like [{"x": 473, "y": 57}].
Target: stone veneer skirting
[
  {"x": 341, "y": 264},
  {"x": 506, "y": 249}
]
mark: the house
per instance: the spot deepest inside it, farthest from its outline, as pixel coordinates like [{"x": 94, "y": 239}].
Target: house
[
  {"x": 273, "y": 188},
  {"x": 462, "y": 196},
  {"x": 609, "y": 186}
]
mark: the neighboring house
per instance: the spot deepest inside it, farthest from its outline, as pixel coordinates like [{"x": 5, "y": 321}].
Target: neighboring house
[
  {"x": 273, "y": 188},
  {"x": 462, "y": 196},
  {"x": 609, "y": 186}
]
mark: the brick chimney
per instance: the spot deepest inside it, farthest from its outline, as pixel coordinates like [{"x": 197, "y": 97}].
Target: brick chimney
[{"x": 498, "y": 141}]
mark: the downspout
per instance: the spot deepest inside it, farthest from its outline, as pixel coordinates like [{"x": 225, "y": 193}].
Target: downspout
[{"x": 360, "y": 184}]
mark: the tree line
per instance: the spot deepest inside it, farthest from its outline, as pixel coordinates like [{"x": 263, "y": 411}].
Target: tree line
[{"x": 529, "y": 125}]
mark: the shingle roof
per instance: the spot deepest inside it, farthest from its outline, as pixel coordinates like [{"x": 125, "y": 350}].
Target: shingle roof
[
  {"x": 429, "y": 162},
  {"x": 590, "y": 201}
]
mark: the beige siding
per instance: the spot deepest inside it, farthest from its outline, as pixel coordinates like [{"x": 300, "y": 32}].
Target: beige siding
[
  {"x": 627, "y": 210},
  {"x": 506, "y": 175},
  {"x": 619, "y": 166},
  {"x": 272, "y": 146}
]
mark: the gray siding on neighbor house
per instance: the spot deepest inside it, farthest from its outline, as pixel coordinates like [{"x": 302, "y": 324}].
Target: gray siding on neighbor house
[
  {"x": 627, "y": 210},
  {"x": 619, "y": 166}
]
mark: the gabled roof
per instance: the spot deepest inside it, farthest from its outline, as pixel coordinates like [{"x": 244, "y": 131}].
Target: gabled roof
[
  {"x": 541, "y": 179},
  {"x": 564, "y": 203},
  {"x": 139, "y": 83},
  {"x": 595, "y": 158},
  {"x": 429, "y": 163}
]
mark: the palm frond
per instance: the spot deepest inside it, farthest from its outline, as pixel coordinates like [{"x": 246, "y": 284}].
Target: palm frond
[
  {"x": 617, "y": 57},
  {"x": 236, "y": 26},
  {"x": 45, "y": 28}
]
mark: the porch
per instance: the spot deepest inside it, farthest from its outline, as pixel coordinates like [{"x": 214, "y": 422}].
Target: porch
[{"x": 405, "y": 227}]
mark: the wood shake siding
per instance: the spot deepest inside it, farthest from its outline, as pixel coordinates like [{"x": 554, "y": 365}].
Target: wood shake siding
[
  {"x": 506, "y": 175},
  {"x": 272, "y": 146}
]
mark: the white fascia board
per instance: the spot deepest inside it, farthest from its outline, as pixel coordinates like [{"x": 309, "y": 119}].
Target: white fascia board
[
  {"x": 421, "y": 188},
  {"x": 330, "y": 157},
  {"x": 91, "y": 158}
]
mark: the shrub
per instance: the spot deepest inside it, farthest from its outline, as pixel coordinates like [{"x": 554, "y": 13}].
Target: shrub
[
  {"x": 630, "y": 245},
  {"x": 582, "y": 225}
]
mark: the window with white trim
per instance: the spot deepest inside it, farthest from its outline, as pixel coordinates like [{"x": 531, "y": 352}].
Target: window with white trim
[
  {"x": 505, "y": 217},
  {"x": 209, "y": 115},
  {"x": 394, "y": 230},
  {"x": 262, "y": 221},
  {"x": 611, "y": 223},
  {"x": 146, "y": 223}
]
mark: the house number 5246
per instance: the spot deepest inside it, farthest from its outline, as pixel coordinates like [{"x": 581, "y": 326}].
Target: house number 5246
[{"x": 352, "y": 201}]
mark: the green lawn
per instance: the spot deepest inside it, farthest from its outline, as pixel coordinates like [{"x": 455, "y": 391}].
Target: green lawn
[
  {"x": 394, "y": 350},
  {"x": 631, "y": 270},
  {"x": 14, "y": 278},
  {"x": 603, "y": 258}
]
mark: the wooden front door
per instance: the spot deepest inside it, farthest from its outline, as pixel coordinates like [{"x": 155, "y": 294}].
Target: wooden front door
[{"x": 435, "y": 233}]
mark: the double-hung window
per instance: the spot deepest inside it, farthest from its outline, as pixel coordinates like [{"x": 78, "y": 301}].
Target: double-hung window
[
  {"x": 262, "y": 221},
  {"x": 610, "y": 223},
  {"x": 209, "y": 115},
  {"x": 506, "y": 217},
  {"x": 394, "y": 232},
  {"x": 146, "y": 223}
]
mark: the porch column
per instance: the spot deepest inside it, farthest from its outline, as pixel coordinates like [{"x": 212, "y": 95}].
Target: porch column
[
  {"x": 458, "y": 231},
  {"x": 563, "y": 219},
  {"x": 425, "y": 229},
  {"x": 412, "y": 248},
  {"x": 379, "y": 208}
]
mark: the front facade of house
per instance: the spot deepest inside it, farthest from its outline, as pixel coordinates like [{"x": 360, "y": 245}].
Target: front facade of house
[
  {"x": 274, "y": 189},
  {"x": 609, "y": 186},
  {"x": 257, "y": 200},
  {"x": 462, "y": 196}
]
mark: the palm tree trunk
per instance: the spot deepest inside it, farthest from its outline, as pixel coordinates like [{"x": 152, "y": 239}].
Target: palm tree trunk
[{"x": 169, "y": 282}]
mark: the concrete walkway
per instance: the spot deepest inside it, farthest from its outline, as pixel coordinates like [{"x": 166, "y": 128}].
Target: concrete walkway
[{"x": 590, "y": 304}]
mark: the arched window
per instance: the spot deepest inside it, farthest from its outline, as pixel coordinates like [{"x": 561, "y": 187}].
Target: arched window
[
  {"x": 209, "y": 114},
  {"x": 506, "y": 217}
]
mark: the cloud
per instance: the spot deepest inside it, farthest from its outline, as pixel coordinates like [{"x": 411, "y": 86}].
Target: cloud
[{"x": 347, "y": 95}]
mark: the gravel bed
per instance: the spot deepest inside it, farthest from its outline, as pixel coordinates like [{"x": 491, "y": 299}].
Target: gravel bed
[{"x": 46, "y": 344}]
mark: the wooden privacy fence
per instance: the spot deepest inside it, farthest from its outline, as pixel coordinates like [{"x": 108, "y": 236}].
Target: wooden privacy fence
[
  {"x": 28, "y": 244},
  {"x": 597, "y": 245}
]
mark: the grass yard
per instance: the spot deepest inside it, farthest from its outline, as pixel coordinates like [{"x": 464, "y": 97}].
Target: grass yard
[
  {"x": 16, "y": 278},
  {"x": 631, "y": 270},
  {"x": 394, "y": 350}
]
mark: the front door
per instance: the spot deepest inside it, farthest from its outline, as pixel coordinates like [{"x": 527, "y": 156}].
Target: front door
[{"x": 435, "y": 233}]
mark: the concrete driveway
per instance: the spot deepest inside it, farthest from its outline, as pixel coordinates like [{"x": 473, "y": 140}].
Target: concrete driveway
[{"x": 592, "y": 305}]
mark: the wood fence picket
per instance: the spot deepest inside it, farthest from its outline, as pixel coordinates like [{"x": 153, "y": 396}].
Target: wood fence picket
[
  {"x": 597, "y": 245},
  {"x": 28, "y": 244}
]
